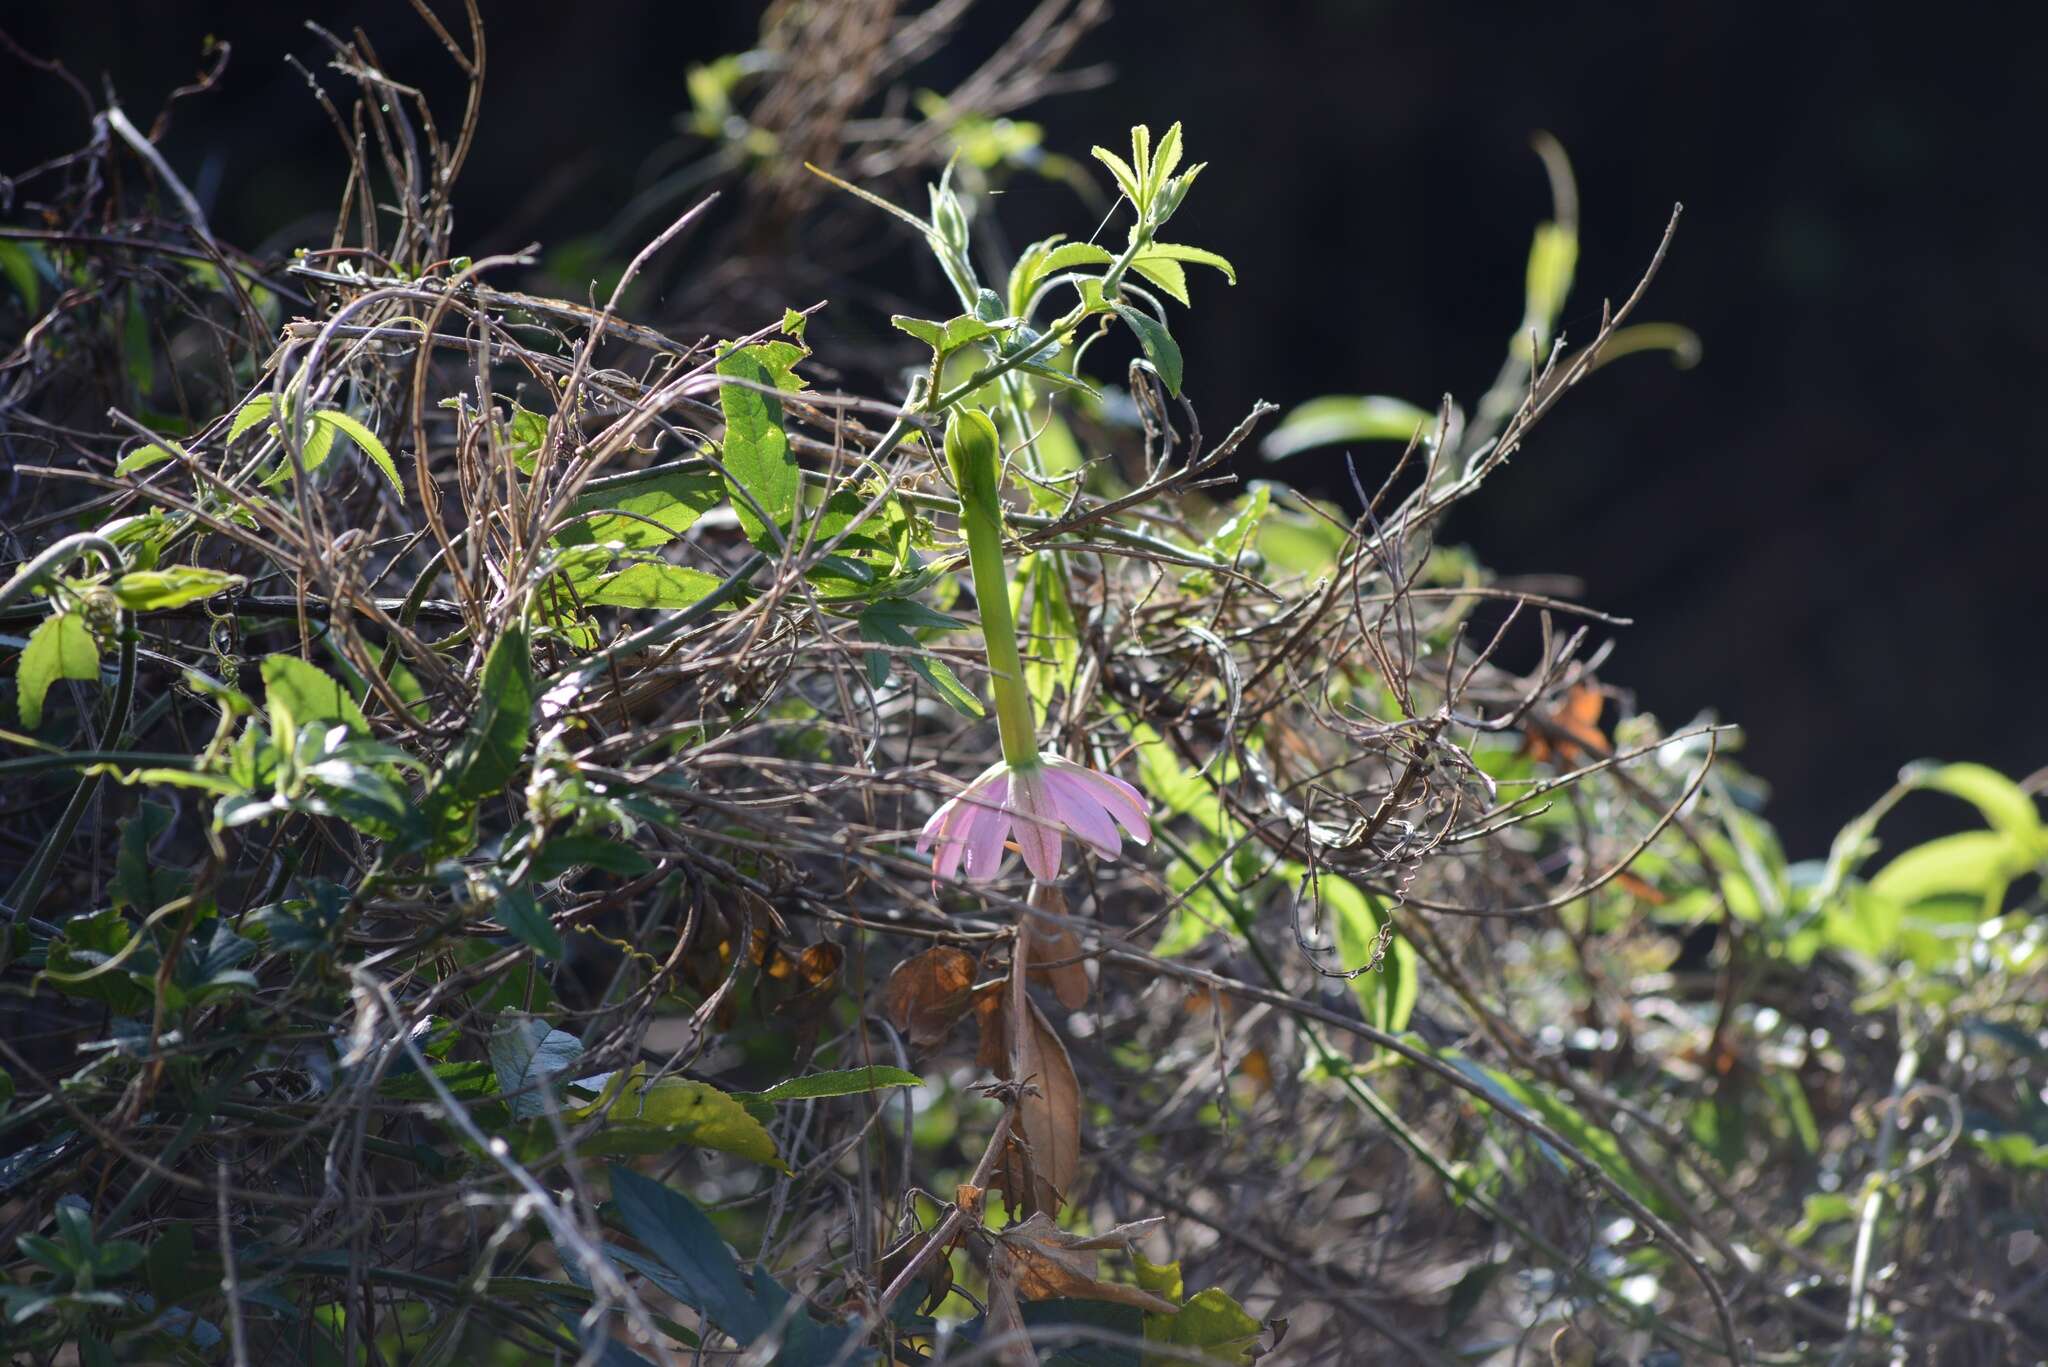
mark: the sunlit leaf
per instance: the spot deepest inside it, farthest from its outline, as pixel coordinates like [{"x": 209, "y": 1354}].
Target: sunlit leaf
[
  {"x": 60, "y": 647},
  {"x": 363, "y": 437},
  {"x": 299, "y": 693},
  {"x": 1338, "y": 419},
  {"x": 154, "y": 590},
  {"x": 1158, "y": 344}
]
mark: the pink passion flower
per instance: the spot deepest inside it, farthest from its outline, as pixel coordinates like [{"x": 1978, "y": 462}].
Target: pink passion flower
[{"x": 1034, "y": 803}]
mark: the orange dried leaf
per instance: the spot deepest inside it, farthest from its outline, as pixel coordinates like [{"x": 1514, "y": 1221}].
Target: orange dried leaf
[
  {"x": 1044, "y": 1262},
  {"x": 1053, "y": 950},
  {"x": 1043, "y": 1158},
  {"x": 927, "y": 994},
  {"x": 1571, "y": 731}
]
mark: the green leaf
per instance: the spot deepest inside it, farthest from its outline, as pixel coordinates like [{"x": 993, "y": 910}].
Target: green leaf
[
  {"x": 519, "y": 912},
  {"x": 675, "y": 1112},
  {"x": 702, "y": 1272},
  {"x": 888, "y": 623},
  {"x": 1166, "y": 274},
  {"x": 60, "y": 647},
  {"x": 1976, "y": 864},
  {"x": 2007, "y": 807},
  {"x": 143, "y": 457},
  {"x": 1051, "y": 644},
  {"x": 251, "y": 413},
  {"x": 1553, "y": 256},
  {"x": 526, "y": 1054},
  {"x": 649, "y": 510},
  {"x": 1209, "y": 1322},
  {"x": 843, "y": 1082},
  {"x": 1588, "y": 1138},
  {"x": 490, "y": 753},
  {"x": 1043, "y": 260},
  {"x": 139, "y": 883},
  {"x": 1336, "y": 419},
  {"x": 757, "y": 457},
  {"x": 524, "y": 436},
  {"x": 88, "y": 942},
  {"x": 18, "y": 265},
  {"x": 2011, "y": 1150},
  {"x": 1387, "y": 997},
  {"x": 1160, "y": 348},
  {"x": 6, "y": 1091},
  {"x": 1174, "y": 251},
  {"x": 1120, "y": 170},
  {"x": 301, "y": 694},
  {"x": 154, "y": 590},
  {"x": 364, "y": 438},
  {"x": 1239, "y": 528},
  {"x": 565, "y": 852},
  {"x": 653, "y": 584},
  {"x": 1212, "y": 1322}
]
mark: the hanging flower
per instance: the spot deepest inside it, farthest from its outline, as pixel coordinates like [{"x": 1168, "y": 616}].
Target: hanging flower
[{"x": 1034, "y": 803}]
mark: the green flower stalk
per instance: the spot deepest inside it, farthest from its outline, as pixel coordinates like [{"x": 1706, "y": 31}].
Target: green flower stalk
[{"x": 1032, "y": 796}]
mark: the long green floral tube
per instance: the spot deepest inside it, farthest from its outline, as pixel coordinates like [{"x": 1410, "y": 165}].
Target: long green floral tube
[{"x": 1033, "y": 797}]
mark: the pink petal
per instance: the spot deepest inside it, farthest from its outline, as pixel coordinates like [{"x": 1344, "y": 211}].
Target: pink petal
[
  {"x": 983, "y": 842},
  {"x": 1037, "y": 825},
  {"x": 935, "y": 829},
  {"x": 1117, "y": 797},
  {"x": 1083, "y": 813}
]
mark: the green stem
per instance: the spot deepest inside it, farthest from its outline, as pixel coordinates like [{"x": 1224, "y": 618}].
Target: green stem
[
  {"x": 975, "y": 454},
  {"x": 999, "y": 632}
]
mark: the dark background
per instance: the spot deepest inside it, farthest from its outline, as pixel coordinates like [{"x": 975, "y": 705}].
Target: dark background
[{"x": 1830, "y": 531}]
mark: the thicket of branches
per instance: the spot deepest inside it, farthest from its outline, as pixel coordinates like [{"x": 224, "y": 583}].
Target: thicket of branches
[{"x": 468, "y": 746}]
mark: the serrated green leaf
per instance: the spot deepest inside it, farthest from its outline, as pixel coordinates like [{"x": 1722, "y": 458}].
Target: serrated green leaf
[
  {"x": 1119, "y": 169},
  {"x": 1166, "y": 274},
  {"x": 757, "y": 458},
  {"x": 251, "y": 413},
  {"x": 143, "y": 458},
  {"x": 60, "y": 647},
  {"x": 1194, "y": 256},
  {"x": 300, "y": 694},
  {"x": 653, "y": 584},
  {"x": 154, "y": 590},
  {"x": 650, "y": 510},
  {"x": 364, "y": 438}
]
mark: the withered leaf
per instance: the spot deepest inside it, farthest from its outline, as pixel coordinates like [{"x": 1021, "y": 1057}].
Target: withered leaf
[
  {"x": 928, "y": 993},
  {"x": 936, "y": 1272},
  {"x": 1053, "y": 949},
  {"x": 1043, "y": 1157},
  {"x": 1044, "y": 1262}
]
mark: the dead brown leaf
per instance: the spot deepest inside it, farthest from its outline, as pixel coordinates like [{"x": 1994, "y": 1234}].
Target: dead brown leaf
[
  {"x": 1044, "y": 1262},
  {"x": 1043, "y": 1158},
  {"x": 1054, "y": 950},
  {"x": 928, "y": 993}
]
